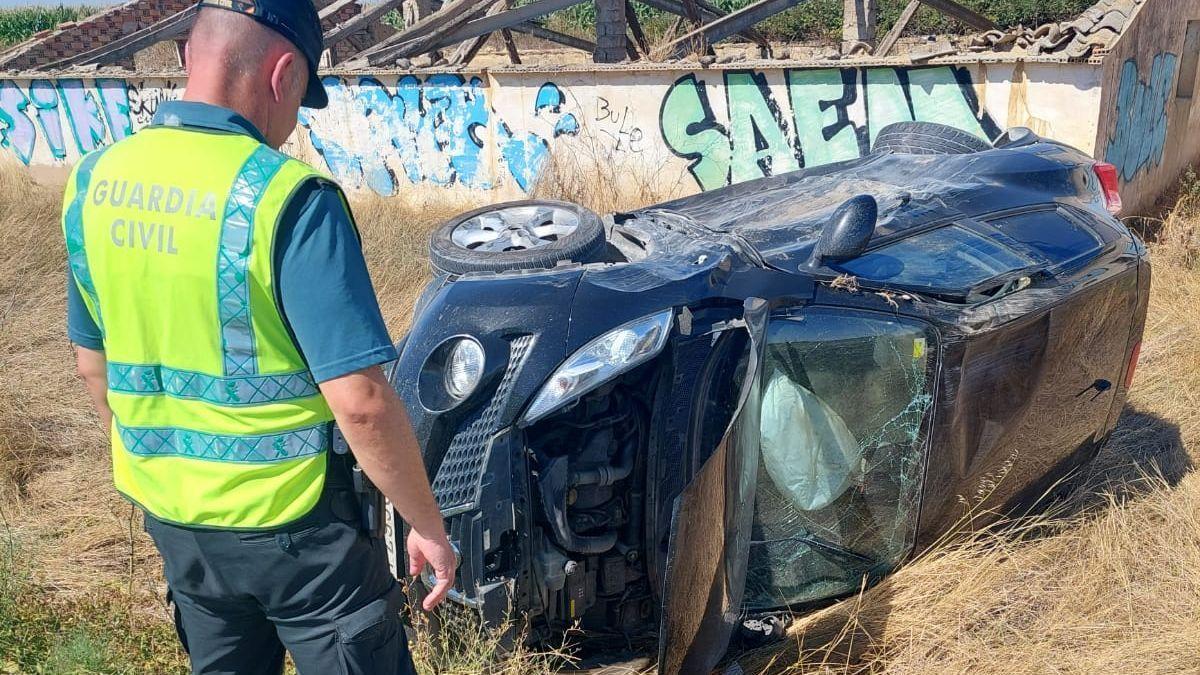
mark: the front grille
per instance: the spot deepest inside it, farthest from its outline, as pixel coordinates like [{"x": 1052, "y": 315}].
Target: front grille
[{"x": 456, "y": 487}]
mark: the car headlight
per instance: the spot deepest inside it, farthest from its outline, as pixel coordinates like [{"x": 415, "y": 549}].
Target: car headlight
[
  {"x": 600, "y": 360},
  {"x": 464, "y": 368}
]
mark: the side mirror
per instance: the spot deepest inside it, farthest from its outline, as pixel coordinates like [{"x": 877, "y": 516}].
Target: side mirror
[{"x": 848, "y": 232}]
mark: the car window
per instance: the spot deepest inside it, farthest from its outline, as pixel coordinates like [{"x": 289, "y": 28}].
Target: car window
[
  {"x": 1059, "y": 239},
  {"x": 949, "y": 257},
  {"x": 844, "y": 398}
]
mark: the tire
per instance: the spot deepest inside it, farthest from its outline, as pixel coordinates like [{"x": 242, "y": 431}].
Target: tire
[
  {"x": 927, "y": 138},
  {"x": 472, "y": 251}
]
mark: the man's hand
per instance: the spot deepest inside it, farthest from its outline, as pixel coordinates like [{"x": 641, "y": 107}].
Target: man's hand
[
  {"x": 439, "y": 555},
  {"x": 375, "y": 424}
]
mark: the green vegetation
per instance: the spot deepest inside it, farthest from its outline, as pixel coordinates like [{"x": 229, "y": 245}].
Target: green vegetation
[
  {"x": 102, "y": 633},
  {"x": 822, "y": 19},
  {"x": 811, "y": 20},
  {"x": 17, "y": 25}
]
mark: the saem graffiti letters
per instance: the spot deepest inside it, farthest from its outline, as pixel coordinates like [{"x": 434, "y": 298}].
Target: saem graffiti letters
[{"x": 811, "y": 117}]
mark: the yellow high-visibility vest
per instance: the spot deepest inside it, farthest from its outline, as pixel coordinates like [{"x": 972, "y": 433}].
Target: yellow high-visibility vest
[{"x": 217, "y": 420}]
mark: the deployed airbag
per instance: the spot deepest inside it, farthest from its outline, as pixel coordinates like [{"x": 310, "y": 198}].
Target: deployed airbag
[{"x": 808, "y": 451}]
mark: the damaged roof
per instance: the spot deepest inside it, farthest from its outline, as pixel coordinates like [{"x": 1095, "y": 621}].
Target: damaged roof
[{"x": 1097, "y": 28}]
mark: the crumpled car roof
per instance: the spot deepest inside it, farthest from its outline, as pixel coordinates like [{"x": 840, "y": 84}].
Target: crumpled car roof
[{"x": 783, "y": 216}]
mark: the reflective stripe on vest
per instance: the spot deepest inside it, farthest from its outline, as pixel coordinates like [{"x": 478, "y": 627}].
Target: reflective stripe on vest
[
  {"x": 200, "y": 445},
  {"x": 217, "y": 420},
  {"x": 245, "y": 390},
  {"x": 73, "y": 226},
  {"x": 233, "y": 284}
]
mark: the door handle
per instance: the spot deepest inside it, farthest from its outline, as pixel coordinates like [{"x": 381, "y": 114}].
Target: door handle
[{"x": 1100, "y": 386}]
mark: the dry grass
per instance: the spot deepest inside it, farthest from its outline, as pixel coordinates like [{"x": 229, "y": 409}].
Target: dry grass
[{"x": 1112, "y": 584}]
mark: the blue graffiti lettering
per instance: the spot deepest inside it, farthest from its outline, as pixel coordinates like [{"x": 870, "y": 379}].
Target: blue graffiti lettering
[
  {"x": 16, "y": 129},
  {"x": 524, "y": 156},
  {"x": 345, "y": 166},
  {"x": 433, "y": 128},
  {"x": 115, "y": 96},
  {"x": 87, "y": 122},
  {"x": 45, "y": 99},
  {"x": 1140, "y": 132}
]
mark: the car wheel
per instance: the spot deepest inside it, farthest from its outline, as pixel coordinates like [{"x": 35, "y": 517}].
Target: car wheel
[
  {"x": 927, "y": 138},
  {"x": 529, "y": 234}
]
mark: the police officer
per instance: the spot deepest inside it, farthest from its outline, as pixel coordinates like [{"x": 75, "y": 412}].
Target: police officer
[{"x": 223, "y": 320}]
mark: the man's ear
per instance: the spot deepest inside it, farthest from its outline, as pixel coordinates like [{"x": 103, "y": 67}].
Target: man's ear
[
  {"x": 281, "y": 75},
  {"x": 187, "y": 56}
]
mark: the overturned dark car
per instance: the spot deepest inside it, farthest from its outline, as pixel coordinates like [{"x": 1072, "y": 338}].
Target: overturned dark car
[{"x": 661, "y": 423}]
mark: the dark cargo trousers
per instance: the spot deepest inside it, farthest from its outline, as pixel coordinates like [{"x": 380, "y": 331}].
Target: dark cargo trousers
[{"x": 321, "y": 588}]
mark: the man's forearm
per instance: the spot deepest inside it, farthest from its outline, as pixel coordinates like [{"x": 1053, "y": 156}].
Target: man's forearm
[
  {"x": 93, "y": 369},
  {"x": 375, "y": 424},
  {"x": 387, "y": 451}
]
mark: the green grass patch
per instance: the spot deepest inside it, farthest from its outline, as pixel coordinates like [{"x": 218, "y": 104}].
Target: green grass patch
[
  {"x": 18, "y": 25},
  {"x": 104, "y": 633}
]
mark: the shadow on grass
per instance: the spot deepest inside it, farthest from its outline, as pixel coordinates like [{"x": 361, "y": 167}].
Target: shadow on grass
[{"x": 1143, "y": 446}]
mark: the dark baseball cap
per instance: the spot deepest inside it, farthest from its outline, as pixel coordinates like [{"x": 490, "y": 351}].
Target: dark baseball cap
[{"x": 297, "y": 21}]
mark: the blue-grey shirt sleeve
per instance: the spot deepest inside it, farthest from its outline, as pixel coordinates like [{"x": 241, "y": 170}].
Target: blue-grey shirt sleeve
[
  {"x": 81, "y": 327},
  {"x": 324, "y": 290}
]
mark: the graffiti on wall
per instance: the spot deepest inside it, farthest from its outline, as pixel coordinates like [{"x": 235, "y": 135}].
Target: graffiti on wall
[
  {"x": 704, "y": 128},
  {"x": 144, "y": 100},
  {"x": 822, "y": 116},
  {"x": 1140, "y": 132},
  {"x": 68, "y": 116},
  {"x": 436, "y": 130}
]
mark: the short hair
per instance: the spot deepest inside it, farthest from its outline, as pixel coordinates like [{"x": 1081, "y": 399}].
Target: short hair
[{"x": 241, "y": 42}]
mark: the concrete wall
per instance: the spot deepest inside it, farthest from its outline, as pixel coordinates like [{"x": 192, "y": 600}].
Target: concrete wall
[
  {"x": 682, "y": 130},
  {"x": 1149, "y": 124}
]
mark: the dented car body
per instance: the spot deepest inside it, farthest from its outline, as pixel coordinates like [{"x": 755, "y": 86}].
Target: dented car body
[{"x": 724, "y": 411}]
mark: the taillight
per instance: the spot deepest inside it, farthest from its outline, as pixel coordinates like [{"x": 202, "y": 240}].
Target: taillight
[
  {"x": 1133, "y": 362},
  {"x": 1109, "y": 182}
]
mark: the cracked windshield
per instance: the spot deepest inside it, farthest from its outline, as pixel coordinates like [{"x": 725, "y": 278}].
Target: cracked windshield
[{"x": 843, "y": 401}]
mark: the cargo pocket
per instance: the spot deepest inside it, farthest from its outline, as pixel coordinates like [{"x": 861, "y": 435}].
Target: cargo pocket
[{"x": 371, "y": 640}]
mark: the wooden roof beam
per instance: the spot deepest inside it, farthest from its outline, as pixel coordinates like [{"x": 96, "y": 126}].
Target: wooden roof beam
[
  {"x": 966, "y": 15},
  {"x": 449, "y": 17},
  {"x": 538, "y": 31},
  {"x": 469, "y": 49},
  {"x": 722, "y": 28},
  {"x": 709, "y": 12},
  {"x": 889, "y": 40},
  {"x": 359, "y": 22},
  {"x": 477, "y": 27}
]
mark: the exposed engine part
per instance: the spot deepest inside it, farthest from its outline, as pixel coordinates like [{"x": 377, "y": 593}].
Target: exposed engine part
[
  {"x": 582, "y": 480},
  {"x": 589, "y": 475}
]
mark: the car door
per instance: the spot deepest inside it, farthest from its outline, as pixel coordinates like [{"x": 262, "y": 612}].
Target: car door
[
  {"x": 1086, "y": 298},
  {"x": 1031, "y": 376},
  {"x": 704, "y": 577}
]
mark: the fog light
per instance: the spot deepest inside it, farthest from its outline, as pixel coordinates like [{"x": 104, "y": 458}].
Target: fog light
[{"x": 464, "y": 368}]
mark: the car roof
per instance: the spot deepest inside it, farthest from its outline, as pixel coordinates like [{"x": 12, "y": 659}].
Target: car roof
[{"x": 783, "y": 216}]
